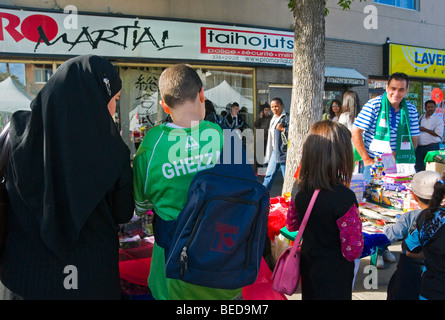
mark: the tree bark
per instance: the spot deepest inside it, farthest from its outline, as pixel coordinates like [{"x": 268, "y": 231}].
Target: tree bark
[{"x": 308, "y": 81}]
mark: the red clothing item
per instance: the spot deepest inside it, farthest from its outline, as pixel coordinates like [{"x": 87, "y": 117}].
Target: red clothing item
[{"x": 351, "y": 236}]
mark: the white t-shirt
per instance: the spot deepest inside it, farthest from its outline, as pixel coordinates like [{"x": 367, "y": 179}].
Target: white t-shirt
[
  {"x": 345, "y": 120},
  {"x": 434, "y": 123}
]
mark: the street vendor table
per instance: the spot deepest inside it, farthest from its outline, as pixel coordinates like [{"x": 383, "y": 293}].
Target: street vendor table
[
  {"x": 134, "y": 268},
  {"x": 374, "y": 219}
]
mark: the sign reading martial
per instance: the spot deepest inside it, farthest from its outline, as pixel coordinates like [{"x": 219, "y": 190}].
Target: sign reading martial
[{"x": 48, "y": 33}]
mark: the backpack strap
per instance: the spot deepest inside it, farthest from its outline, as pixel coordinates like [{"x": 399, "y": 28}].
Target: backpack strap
[{"x": 163, "y": 231}]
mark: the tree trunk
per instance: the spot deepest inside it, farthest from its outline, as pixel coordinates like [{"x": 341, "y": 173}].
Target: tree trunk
[{"x": 308, "y": 81}]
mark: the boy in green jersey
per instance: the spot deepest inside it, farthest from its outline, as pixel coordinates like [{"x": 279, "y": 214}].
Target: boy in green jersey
[{"x": 165, "y": 164}]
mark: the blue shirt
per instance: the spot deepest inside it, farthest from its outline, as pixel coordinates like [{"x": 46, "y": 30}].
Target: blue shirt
[{"x": 367, "y": 121}]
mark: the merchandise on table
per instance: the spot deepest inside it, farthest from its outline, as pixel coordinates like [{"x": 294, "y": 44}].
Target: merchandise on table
[
  {"x": 435, "y": 166},
  {"x": 431, "y": 156},
  {"x": 390, "y": 195},
  {"x": 358, "y": 185},
  {"x": 439, "y": 158},
  {"x": 378, "y": 169},
  {"x": 397, "y": 178},
  {"x": 435, "y": 161}
]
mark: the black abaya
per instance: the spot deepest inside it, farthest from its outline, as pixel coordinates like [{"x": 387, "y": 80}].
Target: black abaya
[{"x": 69, "y": 181}]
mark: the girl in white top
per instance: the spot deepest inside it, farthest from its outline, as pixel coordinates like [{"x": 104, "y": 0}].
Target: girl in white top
[{"x": 349, "y": 109}]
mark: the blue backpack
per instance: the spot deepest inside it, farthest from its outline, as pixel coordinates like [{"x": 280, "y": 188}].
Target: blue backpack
[{"x": 219, "y": 236}]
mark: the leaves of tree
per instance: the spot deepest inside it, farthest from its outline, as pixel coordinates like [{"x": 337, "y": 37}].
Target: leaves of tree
[{"x": 344, "y": 4}]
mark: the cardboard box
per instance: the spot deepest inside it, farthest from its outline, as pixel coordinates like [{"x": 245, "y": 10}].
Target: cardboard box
[{"x": 435, "y": 166}]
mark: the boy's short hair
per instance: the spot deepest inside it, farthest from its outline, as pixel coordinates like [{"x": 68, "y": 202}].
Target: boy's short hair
[{"x": 178, "y": 84}]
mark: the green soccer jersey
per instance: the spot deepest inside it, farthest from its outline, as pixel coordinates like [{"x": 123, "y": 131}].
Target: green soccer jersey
[{"x": 164, "y": 167}]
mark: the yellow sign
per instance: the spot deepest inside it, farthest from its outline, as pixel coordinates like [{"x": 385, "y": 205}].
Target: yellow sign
[{"x": 417, "y": 61}]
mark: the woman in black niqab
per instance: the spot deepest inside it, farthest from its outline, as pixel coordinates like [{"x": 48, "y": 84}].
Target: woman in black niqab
[{"x": 69, "y": 181}]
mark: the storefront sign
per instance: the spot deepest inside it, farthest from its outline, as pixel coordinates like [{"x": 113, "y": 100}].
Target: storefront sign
[
  {"x": 43, "y": 33},
  {"x": 346, "y": 81},
  {"x": 417, "y": 61}
]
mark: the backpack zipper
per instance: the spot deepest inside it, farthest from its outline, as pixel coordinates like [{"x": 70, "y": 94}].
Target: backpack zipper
[{"x": 183, "y": 260}]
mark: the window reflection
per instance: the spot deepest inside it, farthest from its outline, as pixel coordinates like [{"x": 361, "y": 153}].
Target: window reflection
[{"x": 140, "y": 108}]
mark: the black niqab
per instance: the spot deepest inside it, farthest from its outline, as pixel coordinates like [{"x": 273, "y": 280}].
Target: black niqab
[{"x": 66, "y": 153}]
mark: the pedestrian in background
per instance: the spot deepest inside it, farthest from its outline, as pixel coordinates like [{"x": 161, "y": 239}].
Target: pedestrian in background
[
  {"x": 210, "y": 112},
  {"x": 349, "y": 108},
  {"x": 276, "y": 149},
  {"x": 262, "y": 124},
  {"x": 431, "y": 132},
  {"x": 334, "y": 110},
  {"x": 234, "y": 120}
]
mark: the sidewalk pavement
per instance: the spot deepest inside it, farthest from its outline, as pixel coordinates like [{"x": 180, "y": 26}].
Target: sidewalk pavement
[
  {"x": 361, "y": 287},
  {"x": 362, "y": 290}
]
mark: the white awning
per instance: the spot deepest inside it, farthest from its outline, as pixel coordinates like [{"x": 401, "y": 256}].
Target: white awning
[
  {"x": 12, "y": 97},
  {"x": 346, "y": 76}
]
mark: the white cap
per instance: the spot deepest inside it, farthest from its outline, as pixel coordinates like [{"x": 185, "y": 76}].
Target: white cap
[{"x": 423, "y": 184}]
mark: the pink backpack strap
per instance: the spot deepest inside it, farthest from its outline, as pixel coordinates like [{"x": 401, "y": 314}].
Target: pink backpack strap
[{"x": 303, "y": 223}]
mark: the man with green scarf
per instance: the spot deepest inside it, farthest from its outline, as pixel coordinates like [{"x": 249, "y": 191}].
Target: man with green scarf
[{"x": 388, "y": 124}]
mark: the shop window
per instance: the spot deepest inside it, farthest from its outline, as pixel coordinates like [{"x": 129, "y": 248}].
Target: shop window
[
  {"x": 36, "y": 76},
  {"x": 376, "y": 87},
  {"x": 406, "y": 4},
  {"x": 139, "y": 105},
  {"x": 435, "y": 91},
  {"x": 415, "y": 95},
  {"x": 42, "y": 74}
]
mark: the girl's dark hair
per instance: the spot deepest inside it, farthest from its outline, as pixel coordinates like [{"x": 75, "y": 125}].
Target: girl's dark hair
[
  {"x": 331, "y": 112},
  {"x": 436, "y": 200},
  {"x": 327, "y": 157},
  {"x": 209, "y": 107}
]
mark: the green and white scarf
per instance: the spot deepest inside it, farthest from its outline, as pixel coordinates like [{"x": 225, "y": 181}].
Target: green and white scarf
[{"x": 381, "y": 142}]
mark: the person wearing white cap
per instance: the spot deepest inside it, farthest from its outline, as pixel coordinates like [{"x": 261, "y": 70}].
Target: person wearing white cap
[
  {"x": 405, "y": 282},
  {"x": 428, "y": 240}
]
